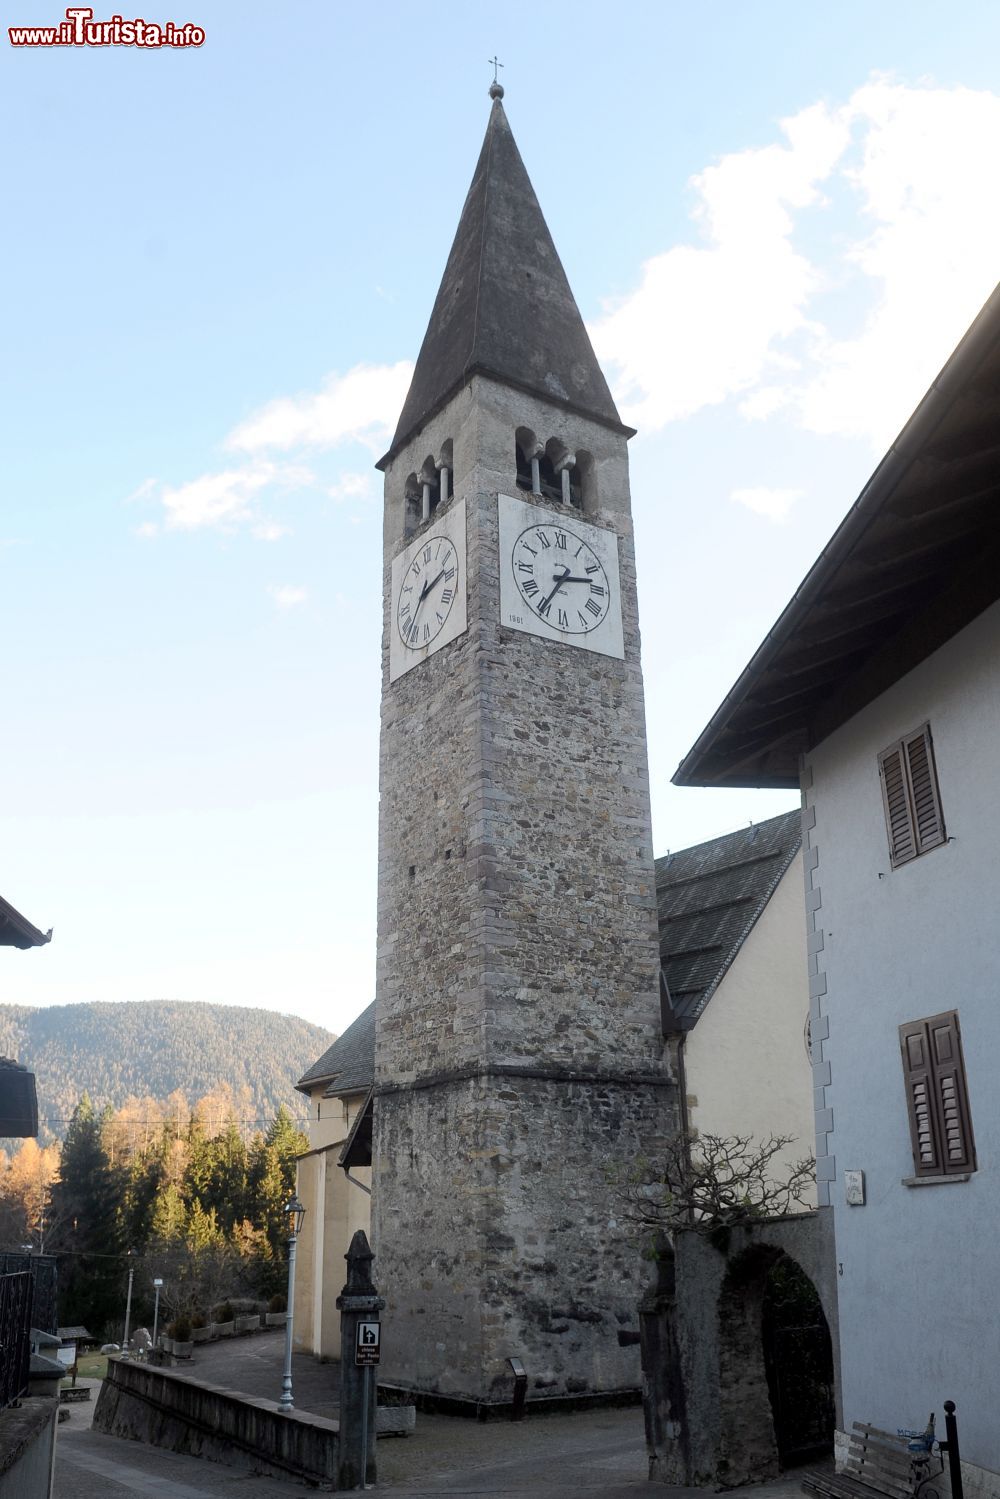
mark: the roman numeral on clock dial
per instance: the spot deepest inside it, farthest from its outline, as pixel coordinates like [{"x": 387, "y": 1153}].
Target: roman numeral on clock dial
[
  {"x": 560, "y": 578},
  {"x": 427, "y": 593}
]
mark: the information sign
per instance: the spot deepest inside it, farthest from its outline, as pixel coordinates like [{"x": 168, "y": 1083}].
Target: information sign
[{"x": 367, "y": 1349}]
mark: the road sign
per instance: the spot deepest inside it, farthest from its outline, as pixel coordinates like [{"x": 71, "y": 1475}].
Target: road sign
[{"x": 367, "y": 1349}]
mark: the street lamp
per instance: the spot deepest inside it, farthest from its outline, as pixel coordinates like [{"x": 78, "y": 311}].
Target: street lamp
[
  {"x": 294, "y": 1214},
  {"x": 128, "y": 1304},
  {"x": 157, "y": 1287}
]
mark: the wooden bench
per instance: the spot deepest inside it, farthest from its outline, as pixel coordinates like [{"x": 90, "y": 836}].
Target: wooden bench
[{"x": 877, "y": 1463}]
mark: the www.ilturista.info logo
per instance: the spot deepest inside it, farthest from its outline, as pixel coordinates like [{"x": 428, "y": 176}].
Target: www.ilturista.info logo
[{"x": 81, "y": 30}]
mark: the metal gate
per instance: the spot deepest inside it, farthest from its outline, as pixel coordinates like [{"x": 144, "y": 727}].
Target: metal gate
[{"x": 799, "y": 1364}]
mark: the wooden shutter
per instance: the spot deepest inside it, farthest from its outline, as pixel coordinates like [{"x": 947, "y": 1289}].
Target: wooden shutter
[
  {"x": 936, "y": 1096},
  {"x": 958, "y": 1151},
  {"x": 898, "y": 818},
  {"x": 910, "y": 796},
  {"x": 924, "y": 797}
]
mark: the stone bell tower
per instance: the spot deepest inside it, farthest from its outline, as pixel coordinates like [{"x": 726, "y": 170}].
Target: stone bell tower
[{"x": 519, "y": 1060}]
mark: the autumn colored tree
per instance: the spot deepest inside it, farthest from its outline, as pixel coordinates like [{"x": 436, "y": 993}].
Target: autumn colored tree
[{"x": 25, "y": 1189}]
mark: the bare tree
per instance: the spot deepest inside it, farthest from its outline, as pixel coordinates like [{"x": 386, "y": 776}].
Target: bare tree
[{"x": 717, "y": 1182}]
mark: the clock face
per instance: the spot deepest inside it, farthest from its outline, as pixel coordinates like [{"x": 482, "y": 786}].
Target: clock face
[
  {"x": 427, "y": 593},
  {"x": 428, "y": 605},
  {"x": 561, "y": 578}
]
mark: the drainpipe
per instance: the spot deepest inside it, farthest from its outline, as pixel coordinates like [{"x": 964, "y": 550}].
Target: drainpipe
[{"x": 685, "y": 1117}]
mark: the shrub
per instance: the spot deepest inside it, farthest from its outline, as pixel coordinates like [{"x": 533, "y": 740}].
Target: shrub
[
  {"x": 224, "y": 1313},
  {"x": 277, "y": 1304},
  {"x": 199, "y": 1320},
  {"x": 182, "y": 1330}
]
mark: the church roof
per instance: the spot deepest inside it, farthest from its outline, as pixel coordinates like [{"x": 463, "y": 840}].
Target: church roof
[
  {"x": 709, "y": 899},
  {"x": 504, "y": 307},
  {"x": 347, "y": 1066}
]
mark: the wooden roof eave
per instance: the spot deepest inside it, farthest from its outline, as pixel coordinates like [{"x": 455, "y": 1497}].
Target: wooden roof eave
[{"x": 706, "y": 762}]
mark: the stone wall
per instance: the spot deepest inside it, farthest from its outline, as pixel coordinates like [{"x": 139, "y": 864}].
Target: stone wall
[
  {"x": 519, "y": 1061},
  {"x": 173, "y": 1411},
  {"x": 27, "y": 1448},
  {"x": 708, "y": 1416}
]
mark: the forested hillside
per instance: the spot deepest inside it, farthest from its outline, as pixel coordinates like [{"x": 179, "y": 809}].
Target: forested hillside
[{"x": 115, "y": 1052}]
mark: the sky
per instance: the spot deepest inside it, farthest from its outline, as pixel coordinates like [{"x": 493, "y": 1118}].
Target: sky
[{"x": 777, "y": 219}]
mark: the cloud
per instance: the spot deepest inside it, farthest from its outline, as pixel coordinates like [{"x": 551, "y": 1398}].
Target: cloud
[
  {"x": 351, "y": 487},
  {"x": 705, "y": 324},
  {"x": 899, "y": 179},
  {"x": 933, "y": 254},
  {"x": 775, "y": 504},
  {"x": 286, "y": 596},
  {"x": 142, "y": 491},
  {"x": 361, "y": 406},
  {"x": 226, "y": 500}
]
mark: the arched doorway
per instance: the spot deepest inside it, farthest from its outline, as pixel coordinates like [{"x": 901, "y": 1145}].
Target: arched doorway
[
  {"x": 775, "y": 1368},
  {"x": 798, "y": 1361}
]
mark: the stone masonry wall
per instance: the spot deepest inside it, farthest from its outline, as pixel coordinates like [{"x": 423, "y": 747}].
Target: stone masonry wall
[{"x": 519, "y": 1060}]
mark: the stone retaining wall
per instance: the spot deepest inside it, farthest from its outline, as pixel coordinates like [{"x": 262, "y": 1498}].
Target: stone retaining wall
[
  {"x": 27, "y": 1443},
  {"x": 175, "y": 1411}
]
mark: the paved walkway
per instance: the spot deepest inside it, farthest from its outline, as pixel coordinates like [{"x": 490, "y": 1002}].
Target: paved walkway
[{"x": 583, "y": 1454}]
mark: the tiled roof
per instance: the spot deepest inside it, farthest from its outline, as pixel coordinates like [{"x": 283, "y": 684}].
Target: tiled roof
[
  {"x": 348, "y": 1066},
  {"x": 708, "y": 899}
]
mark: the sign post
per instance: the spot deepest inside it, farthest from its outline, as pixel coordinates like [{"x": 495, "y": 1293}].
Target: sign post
[
  {"x": 360, "y": 1346},
  {"x": 366, "y": 1354}
]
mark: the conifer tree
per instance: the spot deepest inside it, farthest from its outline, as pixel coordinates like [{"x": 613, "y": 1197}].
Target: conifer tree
[{"x": 86, "y": 1202}]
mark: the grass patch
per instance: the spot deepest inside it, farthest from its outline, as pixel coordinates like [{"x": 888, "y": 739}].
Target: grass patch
[{"x": 90, "y": 1366}]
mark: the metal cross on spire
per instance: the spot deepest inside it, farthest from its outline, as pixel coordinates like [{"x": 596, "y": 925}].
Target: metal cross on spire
[{"x": 496, "y": 87}]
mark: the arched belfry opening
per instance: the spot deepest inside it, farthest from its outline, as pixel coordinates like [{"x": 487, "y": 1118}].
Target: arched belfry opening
[
  {"x": 526, "y": 449},
  {"x": 430, "y": 487},
  {"x": 775, "y": 1368},
  {"x": 412, "y": 494},
  {"x": 446, "y": 471},
  {"x": 550, "y": 469}
]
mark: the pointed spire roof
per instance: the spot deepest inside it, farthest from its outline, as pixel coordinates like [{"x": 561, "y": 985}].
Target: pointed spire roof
[{"x": 504, "y": 307}]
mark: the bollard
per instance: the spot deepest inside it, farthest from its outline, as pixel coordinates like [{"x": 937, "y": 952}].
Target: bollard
[
  {"x": 954, "y": 1460},
  {"x": 520, "y": 1389},
  {"x": 360, "y": 1344}
]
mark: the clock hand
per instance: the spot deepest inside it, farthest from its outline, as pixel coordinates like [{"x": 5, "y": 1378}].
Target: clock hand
[
  {"x": 567, "y": 579},
  {"x": 559, "y": 583},
  {"x": 429, "y": 587}
]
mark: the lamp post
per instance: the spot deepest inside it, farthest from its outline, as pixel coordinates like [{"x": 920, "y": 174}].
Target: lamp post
[
  {"x": 128, "y": 1303},
  {"x": 294, "y": 1214},
  {"x": 157, "y": 1287}
]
